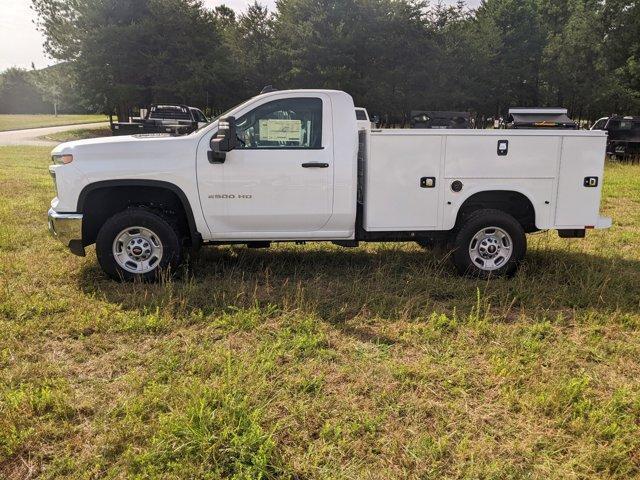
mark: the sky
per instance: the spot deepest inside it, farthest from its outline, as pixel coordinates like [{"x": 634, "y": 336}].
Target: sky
[{"x": 21, "y": 43}]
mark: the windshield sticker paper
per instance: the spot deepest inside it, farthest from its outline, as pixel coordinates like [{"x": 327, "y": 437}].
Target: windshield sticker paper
[{"x": 280, "y": 130}]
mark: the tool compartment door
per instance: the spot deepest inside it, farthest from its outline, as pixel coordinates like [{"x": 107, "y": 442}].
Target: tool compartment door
[
  {"x": 578, "y": 203},
  {"x": 402, "y": 182}
]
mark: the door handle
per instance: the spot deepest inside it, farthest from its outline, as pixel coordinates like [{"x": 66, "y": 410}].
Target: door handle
[{"x": 315, "y": 165}]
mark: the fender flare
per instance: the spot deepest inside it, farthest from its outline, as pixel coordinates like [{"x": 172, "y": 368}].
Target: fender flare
[
  {"x": 195, "y": 235},
  {"x": 501, "y": 188}
]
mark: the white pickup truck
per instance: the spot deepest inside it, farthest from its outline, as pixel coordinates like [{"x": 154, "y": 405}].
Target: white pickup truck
[{"x": 300, "y": 165}]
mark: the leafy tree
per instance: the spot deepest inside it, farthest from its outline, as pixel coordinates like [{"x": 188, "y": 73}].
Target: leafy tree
[
  {"x": 621, "y": 19},
  {"x": 466, "y": 47},
  {"x": 515, "y": 66},
  {"x": 252, "y": 46},
  {"x": 19, "y": 93},
  {"x": 128, "y": 52},
  {"x": 572, "y": 66},
  {"x": 393, "y": 56},
  {"x": 378, "y": 50},
  {"x": 57, "y": 86}
]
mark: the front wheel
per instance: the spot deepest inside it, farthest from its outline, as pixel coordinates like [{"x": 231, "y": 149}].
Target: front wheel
[
  {"x": 138, "y": 244},
  {"x": 490, "y": 243}
]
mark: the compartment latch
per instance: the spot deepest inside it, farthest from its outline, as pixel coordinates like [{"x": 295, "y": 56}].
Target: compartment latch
[
  {"x": 591, "y": 182},
  {"x": 503, "y": 148}
]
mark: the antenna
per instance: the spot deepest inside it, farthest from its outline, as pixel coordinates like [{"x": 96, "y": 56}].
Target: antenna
[{"x": 268, "y": 89}]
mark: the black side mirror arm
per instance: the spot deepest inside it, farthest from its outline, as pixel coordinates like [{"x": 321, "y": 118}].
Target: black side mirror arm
[
  {"x": 225, "y": 141},
  {"x": 216, "y": 157}
]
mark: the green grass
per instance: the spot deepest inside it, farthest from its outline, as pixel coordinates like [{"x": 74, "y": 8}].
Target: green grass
[
  {"x": 18, "y": 122},
  {"x": 315, "y": 362},
  {"x": 80, "y": 134}
]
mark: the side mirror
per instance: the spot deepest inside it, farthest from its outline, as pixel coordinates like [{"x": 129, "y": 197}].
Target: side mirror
[{"x": 225, "y": 141}]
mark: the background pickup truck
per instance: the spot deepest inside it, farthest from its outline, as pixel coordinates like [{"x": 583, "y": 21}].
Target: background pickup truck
[
  {"x": 172, "y": 119},
  {"x": 297, "y": 165},
  {"x": 623, "y": 135}
]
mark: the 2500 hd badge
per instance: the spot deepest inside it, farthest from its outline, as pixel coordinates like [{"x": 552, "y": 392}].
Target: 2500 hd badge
[{"x": 230, "y": 196}]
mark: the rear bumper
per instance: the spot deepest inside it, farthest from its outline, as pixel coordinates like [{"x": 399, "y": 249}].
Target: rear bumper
[
  {"x": 67, "y": 228},
  {"x": 604, "y": 222},
  {"x": 601, "y": 224}
]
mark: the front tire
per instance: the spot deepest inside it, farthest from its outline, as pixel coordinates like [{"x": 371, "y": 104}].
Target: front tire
[
  {"x": 490, "y": 243},
  {"x": 138, "y": 244}
]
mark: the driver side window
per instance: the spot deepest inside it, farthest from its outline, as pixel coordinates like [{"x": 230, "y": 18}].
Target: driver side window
[{"x": 291, "y": 123}]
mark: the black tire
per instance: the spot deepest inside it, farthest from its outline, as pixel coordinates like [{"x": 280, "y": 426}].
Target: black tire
[
  {"x": 497, "y": 265},
  {"x": 168, "y": 235}
]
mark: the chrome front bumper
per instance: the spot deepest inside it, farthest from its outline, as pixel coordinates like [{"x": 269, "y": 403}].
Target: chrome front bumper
[{"x": 67, "y": 227}]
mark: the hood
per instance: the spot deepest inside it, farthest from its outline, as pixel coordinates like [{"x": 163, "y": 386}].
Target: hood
[{"x": 128, "y": 147}]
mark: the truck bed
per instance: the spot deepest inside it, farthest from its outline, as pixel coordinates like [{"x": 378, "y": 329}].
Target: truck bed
[{"x": 550, "y": 168}]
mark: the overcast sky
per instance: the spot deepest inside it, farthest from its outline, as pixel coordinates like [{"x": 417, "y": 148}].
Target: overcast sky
[{"x": 21, "y": 43}]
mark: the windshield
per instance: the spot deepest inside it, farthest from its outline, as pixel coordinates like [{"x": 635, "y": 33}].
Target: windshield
[
  {"x": 225, "y": 114},
  {"x": 215, "y": 119},
  {"x": 169, "y": 112}
]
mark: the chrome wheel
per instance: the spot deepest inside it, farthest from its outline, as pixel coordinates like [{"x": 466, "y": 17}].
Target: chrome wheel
[
  {"x": 491, "y": 248},
  {"x": 137, "y": 250}
]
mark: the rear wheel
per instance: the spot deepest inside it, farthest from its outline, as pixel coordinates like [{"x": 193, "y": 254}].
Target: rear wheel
[
  {"x": 138, "y": 244},
  {"x": 490, "y": 243}
]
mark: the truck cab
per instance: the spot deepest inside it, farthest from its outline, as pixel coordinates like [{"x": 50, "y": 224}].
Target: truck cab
[
  {"x": 299, "y": 165},
  {"x": 362, "y": 119}
]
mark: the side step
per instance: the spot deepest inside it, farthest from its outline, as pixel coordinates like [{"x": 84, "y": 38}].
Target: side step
[
  {"x": 258, "y": 244},
  {"x": 347, "y": 243},
  {"x": 575, "y": 233}
]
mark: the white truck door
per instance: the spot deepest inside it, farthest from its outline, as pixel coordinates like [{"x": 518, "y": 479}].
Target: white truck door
[{"x": 279, "y": 181}]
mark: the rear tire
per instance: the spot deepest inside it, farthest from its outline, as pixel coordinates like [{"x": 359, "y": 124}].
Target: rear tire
[
  {"x": 138, "y": 244},
  {"x": 490, "y": 243}
]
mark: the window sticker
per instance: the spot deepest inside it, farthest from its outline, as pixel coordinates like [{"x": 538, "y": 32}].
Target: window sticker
[{"x": 272, "y": 130}]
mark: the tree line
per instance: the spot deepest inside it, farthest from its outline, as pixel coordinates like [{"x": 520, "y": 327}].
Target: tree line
[
  {"x": 49, "y": 90},
  {"x": 393, "y": 56}
]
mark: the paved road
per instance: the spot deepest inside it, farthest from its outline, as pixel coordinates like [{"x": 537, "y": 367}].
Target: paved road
[{"x": 31, "y": 137}]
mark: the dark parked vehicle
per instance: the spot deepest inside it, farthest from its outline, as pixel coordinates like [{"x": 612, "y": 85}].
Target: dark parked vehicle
[
  {"x": 553, "y": 118},
  {"x": 624, "y": 134},
  {"x": 172, "y": 119},
  {"x": 433, "y": 119}
]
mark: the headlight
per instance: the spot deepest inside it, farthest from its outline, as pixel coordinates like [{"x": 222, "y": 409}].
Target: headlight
[{"x": 62, "y": 159}]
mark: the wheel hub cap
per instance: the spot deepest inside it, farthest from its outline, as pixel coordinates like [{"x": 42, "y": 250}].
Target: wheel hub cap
[
  {"x": 491, "y": 248},
  {"x": 137, "y": 250}
]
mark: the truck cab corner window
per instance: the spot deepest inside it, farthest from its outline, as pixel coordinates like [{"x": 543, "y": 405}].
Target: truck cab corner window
[{"x": 282, "y": 124}]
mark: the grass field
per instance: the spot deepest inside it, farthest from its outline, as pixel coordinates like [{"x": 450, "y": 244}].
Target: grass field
[
  {"x": 79, "y": 134},
  {"x": 17, "y": 122},
  {"x": 315, "y": 362}
]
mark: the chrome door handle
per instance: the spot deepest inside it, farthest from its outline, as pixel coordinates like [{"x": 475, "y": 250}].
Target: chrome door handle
[{"x": 315, "y": 165}]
